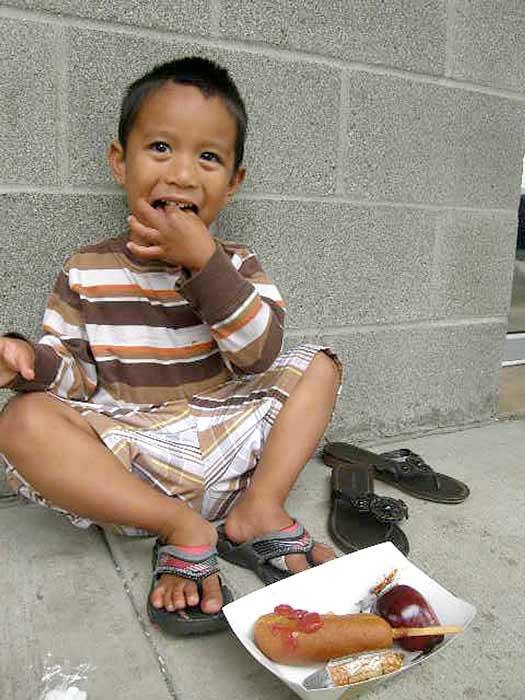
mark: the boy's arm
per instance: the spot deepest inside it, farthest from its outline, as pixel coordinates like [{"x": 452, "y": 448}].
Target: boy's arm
[
  {"x": 242, "y": 307},
  {"x": 63, "y": 362}
]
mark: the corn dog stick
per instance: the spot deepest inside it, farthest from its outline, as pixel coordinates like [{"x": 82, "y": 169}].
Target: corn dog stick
[{"x": 398, "y": 632}]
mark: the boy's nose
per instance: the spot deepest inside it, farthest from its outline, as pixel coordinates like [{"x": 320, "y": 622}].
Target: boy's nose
[{"x": 181, "y": 171}]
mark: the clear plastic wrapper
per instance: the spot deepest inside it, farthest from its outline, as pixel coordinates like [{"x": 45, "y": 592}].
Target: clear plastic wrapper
[
  {"x": 355, "y": 669},
  {"x": 65, "y": 681}
]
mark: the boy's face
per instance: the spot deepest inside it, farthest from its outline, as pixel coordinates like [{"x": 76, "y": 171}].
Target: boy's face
[{"x": 181, "y": 150}]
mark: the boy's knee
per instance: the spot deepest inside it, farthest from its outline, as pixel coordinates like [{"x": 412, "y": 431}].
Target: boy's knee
[
  {"x": 34, "y": 414},
  {"x": 326, "y": 368},
  {"x": 23, "y": 414}
]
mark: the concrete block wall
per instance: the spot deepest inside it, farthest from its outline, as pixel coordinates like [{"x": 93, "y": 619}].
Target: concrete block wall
[{"x": 384, "y": 157}]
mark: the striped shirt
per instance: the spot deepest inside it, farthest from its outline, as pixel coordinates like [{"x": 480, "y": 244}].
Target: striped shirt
[{"x": 122, "y": 331}]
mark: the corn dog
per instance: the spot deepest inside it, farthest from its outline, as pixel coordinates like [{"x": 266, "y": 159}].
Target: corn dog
[{"x": 299, "y": 637}]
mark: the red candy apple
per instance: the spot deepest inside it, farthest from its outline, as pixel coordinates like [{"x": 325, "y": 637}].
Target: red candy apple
[{"x": 403, "y": 606}]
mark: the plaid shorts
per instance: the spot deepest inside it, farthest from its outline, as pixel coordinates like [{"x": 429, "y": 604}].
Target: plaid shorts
[{"x": 203, "y": 451}]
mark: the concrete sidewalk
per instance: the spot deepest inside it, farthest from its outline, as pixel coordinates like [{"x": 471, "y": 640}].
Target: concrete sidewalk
[{"x": 75, "y": 598}]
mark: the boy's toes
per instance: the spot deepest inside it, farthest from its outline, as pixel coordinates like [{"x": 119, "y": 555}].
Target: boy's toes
[
  {"x": 323, "y": 552},
  {"x": 174, "y": 593},
  {"x": 192, "y": 594},
  {"x": 320, "y": 552},
  {"x": 158, "y": 597},
  {"x": 297, "y": 562},
  {"x": 211, "y": 595},
  {"x": 181, "y": 594}
]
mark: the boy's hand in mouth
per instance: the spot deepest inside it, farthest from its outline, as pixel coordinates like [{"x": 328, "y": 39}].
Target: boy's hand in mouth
[{"x": 170, "y": 231}]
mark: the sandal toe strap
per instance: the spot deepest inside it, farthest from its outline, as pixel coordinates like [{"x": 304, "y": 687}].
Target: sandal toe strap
[
  {"x": 292, "y": 540},
  {"x": 382, "y": 508},
  {"x": 194, "y": 563},
  {"x": 405, "y": 464}
]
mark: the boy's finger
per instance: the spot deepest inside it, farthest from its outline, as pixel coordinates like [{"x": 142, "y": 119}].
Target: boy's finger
[
  {"x": 137, "y": 225},
  {"x": 151, "y": 252},
  {"x": 182, "y": 217},
  {"x": 181, "y": 214},
  {"x": 25, "y": 363},
  {"x": 139, "y": 232},
  {"x": 147, "y": 214},
  {"x": 27, "y": 372},
  {"x": 10, "y": 356},
  {"x": 19, "y": 363}
]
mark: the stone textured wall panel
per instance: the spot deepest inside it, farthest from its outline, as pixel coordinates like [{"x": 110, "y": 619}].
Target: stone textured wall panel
[
  {"x": 180, "y": 16},
  {"x": 28, "y": 98},
  {"x": 399, "y": 380},
  {"x": 473, "y": 264},
  {"x": 488, "y": 43},
  {"x": 327, "y": 275},
  {"x": 411, "y": 141},
  {"x": 400, "y": 33}
]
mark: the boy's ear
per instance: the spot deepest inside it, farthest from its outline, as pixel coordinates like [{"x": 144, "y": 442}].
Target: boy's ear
[
  {"x": 236, "y": 182},
  {"x": 117, "y": 161}
]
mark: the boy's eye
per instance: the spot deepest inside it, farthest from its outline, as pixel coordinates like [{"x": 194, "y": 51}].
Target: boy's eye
[
  {"x": 160, "y": 147},
  {"x": 209, "y": 156}
]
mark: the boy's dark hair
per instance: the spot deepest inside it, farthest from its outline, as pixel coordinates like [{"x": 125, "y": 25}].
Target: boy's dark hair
[{"x": 211, "y": 79}]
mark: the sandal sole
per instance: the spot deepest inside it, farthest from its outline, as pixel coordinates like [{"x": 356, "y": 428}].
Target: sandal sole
[
  {"x": 450, "y": 500},
  {"x": 197, "y": 623}
]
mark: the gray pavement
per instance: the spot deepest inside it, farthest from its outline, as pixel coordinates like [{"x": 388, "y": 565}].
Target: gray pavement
[{"x": 75, "y": 600}]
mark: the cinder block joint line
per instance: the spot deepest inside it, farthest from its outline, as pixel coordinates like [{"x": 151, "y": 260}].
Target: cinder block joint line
[
  {"x": 62, "y": 134},
  {"x": 257, "y": 48},
  {"x": 450, "y": 44},
  {"x": 436, "y": 267},
  {"x": 343, "y": 118},
  {"x": 166, "y": 676},
  {"x": 115, "y": 191},
  {"x": 337, "y": 331},
  {"x": 215, "y": 17},
  {"x": 423, "y": 432},
  {"x": 373, "y": 203},
  {"x": 23, "y": 189}
]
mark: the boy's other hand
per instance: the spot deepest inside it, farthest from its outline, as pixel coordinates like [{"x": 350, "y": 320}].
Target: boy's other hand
[
  {"x": 16, "y": 357},
  {"x": 172, "y": 235}
]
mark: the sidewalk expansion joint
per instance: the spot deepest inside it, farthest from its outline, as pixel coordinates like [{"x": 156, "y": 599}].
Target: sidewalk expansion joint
[{"x": 166, "y": 676}]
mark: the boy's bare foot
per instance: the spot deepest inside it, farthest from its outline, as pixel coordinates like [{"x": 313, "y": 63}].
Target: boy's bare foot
[
  {"x": 249, "y": 519},
  {"x": 176, "y": 593}
]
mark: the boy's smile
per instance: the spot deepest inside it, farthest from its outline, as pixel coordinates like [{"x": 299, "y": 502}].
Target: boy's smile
[{"x": 180, "y": 152}]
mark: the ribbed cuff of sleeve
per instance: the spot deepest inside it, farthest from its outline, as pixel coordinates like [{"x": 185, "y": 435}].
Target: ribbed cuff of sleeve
[
  {"x": 217, "y": 290},
  {"x": 46, "y": 367}
]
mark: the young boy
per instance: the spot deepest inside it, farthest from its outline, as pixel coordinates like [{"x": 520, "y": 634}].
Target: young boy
[{"x": 157, "y": 400}]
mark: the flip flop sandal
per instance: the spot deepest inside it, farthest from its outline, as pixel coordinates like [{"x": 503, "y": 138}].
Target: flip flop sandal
[
  {"x": 358, "y": 517},
  {"x": 403, "y": 469},
  {"x": 196, "y": 564},
  {"x": 257, "y": 554}
]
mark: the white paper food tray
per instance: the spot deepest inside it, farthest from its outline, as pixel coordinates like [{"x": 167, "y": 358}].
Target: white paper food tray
[{"x": 338, "y": 586}]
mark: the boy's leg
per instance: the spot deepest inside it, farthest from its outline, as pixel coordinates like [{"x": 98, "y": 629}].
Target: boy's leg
[
  {"x": 293, "y": 439},
  {"x": 62, "y": 458}
]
